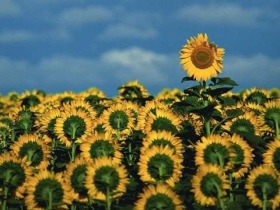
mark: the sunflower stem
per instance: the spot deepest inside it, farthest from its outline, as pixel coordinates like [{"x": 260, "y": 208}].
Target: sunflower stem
[
  {"x": 264, "y": 192},
  {"x": 130, "y": 156},
  {"x": 220, "y": 196},
  {"x": 74, "y": 129},
  {"x": 73, "y": 151},
  {"x": 108, "y": 198},
  {"x": 231, "y": 195},
  {"x": 277, "y": 130},
  {"x": 6, "y": 191},
  {"x": 50, "y": 204}
]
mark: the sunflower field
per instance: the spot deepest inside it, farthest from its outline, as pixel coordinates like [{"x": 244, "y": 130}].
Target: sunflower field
[{"x": 204, "y": 147}]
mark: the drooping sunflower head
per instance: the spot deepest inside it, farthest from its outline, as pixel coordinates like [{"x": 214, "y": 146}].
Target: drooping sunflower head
[
  {"x": 160, "y": 165},
  {"x": 263, "y": 186},
  {"x": 74, "y": 177},
  {"x": 213, "y": 149},
  {"x": 163, "y": 120},
  {"x": 162, "y": 138},
  {"x": 46, "y": 190},
  {"x": 270, "y": 117},
  {"x": 201, "y": 59},
  {"x": 30, "y": 99},
  {"x": 33, "y": 150},
  {"x": 14, "y": 172},
  {"x": 158, "y": 196},
  {"x": 99, "y": 145},
  {"x": 118, "y": 120},
  {"x": 73, "y": 126},
  {"x": 241, "y": 156},
  {"x": 133, "y": 89},
  {"x": 208, "y": 183},
  {"x": 255, "y": 95},
  {"x": 271, "y": 156},
  {"x": 246, "y": 123},
  {"x": 105, "y": 177}
]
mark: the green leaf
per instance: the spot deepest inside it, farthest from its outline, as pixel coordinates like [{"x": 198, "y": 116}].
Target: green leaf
[
  {"x": 224, "y": 81},
  {"x": 234, "y": 112},
  {"x": 187, "y": 79},
  {"x": 214, "y": 92}
]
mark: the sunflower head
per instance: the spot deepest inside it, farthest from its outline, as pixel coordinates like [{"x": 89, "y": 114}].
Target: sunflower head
[{"x": 201, "y": 59}]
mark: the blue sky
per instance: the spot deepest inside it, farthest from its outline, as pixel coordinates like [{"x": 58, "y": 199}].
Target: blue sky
[{"x": 73, "y": 45}]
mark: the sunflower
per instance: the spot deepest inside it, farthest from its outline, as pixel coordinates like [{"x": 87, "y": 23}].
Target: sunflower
[
  {"x": 201, "y": 59},
  {"x": 158, "y": 196},
  {"x": 209, "y": 185},
  {"x": 160, "y": 165},
  {"x": 162, "y": 120},
  {"x": 73, "y": 126},
  {"x": 13, "y": 174},
  {"x": 106, "y": 179},
  {"x": 272, "y": 155},
  {"x": 74, "y": 177},
  {"x": 213, "y": 149},
  {"x": 150, "y": 106},
  {"x": 99, "y": 145},
  {"x": 270, "y": 117},
  {"x": 46, "y": 123},
  {"x": 157, "y": 138},
  {"x": 263, "y": 187},
  {"x": 46, "y": 190},
  {"x": 118, "y": 120},
  {"x": 246, "y": 123},
  {"x": 80, "y": 103},
  {"x": 255, "y": 95},
  {"x": 133, "y": 89},
  {"x": 5, "y": 135},
  {"x": 33, "y": 149},
  {"x": 169, "y": 96},
  {"x": 241, "y": 156},
  {"x": 30, "y": 99}
]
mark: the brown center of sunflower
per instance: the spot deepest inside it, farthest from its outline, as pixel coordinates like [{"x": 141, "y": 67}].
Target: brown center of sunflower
[{"x": 202, "y": 57}]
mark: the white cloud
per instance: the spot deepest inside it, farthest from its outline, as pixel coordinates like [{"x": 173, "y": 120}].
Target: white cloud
[
  {"x": 81, "y": 16},
  {"x": 221, "y": 13},
  {"x": 258, "y": 70},
  {"x": 108, "y": 71},
  {"x": 136, "y": 63},
  {"x": 9, "y": 8},
  {"x": 15, "y": 36},
  {"x": 128, "y": 31}
]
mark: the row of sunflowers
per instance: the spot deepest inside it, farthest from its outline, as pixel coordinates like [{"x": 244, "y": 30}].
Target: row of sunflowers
[{"x": 204, "y": 147}]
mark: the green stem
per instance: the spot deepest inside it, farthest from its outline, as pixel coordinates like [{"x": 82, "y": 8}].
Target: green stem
[
  {"x": 73, "y": 151},
  {"x": 264, "y": 197},
  {"x": 74, "y": 129},
  {"x": 130, "y": 156},
  {"x": 220, "y": 160},
  {"x": 118, "y": 130},
  {"x": 220, "y": 196},
  {"x": 108, "y": 198},
  {"x": 6, "y": 190},
  {"x": 231, "y": 195},
  {"x": 207, "y": 127},
  {"x": 50, "y": 201},
  {"x": 277, "y": 130}
]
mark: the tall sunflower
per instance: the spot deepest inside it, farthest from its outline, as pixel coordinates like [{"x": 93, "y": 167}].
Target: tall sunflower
[
  {"x": 271, "y": 156},
  {"x": 158, "y": 196},
  {"x": 263, "y": 187},
  {"x": 99, "y": 145},
  {"x": 106, "y": 179},
  {"x": 209, "y": 185},
  {"x": 255, "y": 95},
  {"x": 213, "y": 149},
  {"x": 160, "y": 165},
  {"x": 33, "y": 149},
  {"x": 201, "y": 59},
  {"x": 46, "y": 190}
]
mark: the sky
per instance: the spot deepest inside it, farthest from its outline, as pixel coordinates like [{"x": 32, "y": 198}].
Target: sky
[{"x": 71, "y": 45}]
